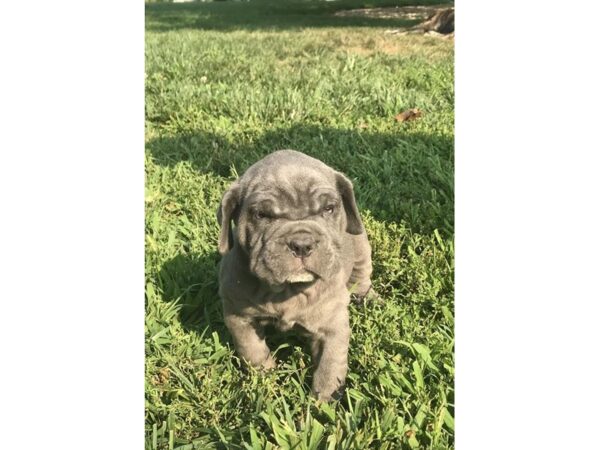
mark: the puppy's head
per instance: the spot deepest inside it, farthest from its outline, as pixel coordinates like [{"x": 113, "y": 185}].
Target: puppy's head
[{"x": 290, "y": 213}]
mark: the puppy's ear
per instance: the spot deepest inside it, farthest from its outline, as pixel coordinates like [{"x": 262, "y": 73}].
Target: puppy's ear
[
  {"x": 227, "y": 208},
  {"x": 354, "y": 224}
]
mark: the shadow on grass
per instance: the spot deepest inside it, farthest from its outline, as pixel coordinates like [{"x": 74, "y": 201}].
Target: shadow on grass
[
  {"x": 192, "y": 279},
  {"x": 269, "y": 14},
  {"x": 403, "y": 176}
]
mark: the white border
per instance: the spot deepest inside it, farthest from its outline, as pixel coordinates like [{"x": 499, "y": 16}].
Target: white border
[
  {"x": 526, "y": 230},
  {"x": 71, "y": 191}
]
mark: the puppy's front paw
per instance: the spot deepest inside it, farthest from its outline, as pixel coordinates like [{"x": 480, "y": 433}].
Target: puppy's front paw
[
  {"x": 258, "y": 363},
  {"x": 269, "y": 363},
  {"x": 369, "y": 296},
  {"x": 326, "y": 396}
]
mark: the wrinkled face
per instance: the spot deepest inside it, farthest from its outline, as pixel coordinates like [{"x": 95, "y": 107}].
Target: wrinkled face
[
  {"x": 291, "y": 212},
  {"x": 292, "y": 230}
]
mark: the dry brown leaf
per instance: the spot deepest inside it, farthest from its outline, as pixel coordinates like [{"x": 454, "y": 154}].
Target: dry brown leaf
[
  {"x": 163, "y": 375},
  {"x": 409, "y": 114}
]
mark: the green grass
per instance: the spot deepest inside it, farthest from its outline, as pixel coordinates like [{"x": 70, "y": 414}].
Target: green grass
[{"x": 227, "y": 83}]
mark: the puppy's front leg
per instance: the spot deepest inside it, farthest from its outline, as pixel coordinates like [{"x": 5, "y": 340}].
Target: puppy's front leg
[
  {"x": 363, "y": 266},
  {"x": 330, "y": 354},
  {"x": 249, "y": 341}
]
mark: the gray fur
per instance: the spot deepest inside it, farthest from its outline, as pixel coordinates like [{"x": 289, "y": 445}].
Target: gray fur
[{"x": 290, "y": 261}]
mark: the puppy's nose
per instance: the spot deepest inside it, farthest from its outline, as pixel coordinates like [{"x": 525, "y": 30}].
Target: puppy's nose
[{"x": 301, "y": 245}]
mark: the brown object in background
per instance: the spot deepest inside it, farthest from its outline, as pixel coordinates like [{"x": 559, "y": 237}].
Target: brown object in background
[
  {"x": 409, "y": 114},
  {"x": 440, "y": 22}
]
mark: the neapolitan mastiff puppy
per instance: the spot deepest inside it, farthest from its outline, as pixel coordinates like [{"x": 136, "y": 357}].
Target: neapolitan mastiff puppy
[{"x": 297, "y": 248}]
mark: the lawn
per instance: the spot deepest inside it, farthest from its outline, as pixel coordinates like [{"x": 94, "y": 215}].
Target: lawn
[{"x": 229, "y": 82}]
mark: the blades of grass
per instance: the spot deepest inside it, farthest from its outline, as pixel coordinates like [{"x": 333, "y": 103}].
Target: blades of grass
[
  {"x": 448, "y": 419},
  {"x": 316, "y": 434},
  {"x": 407, "y": 383},
  {"x": 254, "y": 440},
  {"x": 329, "y": 411},
  {"x": 418, "y": 375},
  {"x": 154, "y": 437}
]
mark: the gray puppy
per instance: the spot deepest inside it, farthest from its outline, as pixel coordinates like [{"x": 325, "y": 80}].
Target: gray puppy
[{"x": 297, "y": 248}]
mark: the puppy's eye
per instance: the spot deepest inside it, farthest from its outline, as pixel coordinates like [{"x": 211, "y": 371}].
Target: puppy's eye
[
  {"x": 329, "y": 209},
  {"x": 259, "y": 215}
]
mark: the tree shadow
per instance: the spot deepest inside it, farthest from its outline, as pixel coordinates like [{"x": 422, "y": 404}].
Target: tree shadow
[
  {"x": 193, "y": 281},
  {"x": 270, "y": 14},
  {"x": 405, "y": 176}
]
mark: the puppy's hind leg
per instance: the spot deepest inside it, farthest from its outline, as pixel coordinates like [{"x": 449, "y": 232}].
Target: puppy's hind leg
[{"x": 249, "y": 341}]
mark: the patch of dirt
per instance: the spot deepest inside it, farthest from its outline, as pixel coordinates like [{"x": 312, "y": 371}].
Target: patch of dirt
[
  {"x": 397, "y": 12},
  {"x": 429, "y": 27}
]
